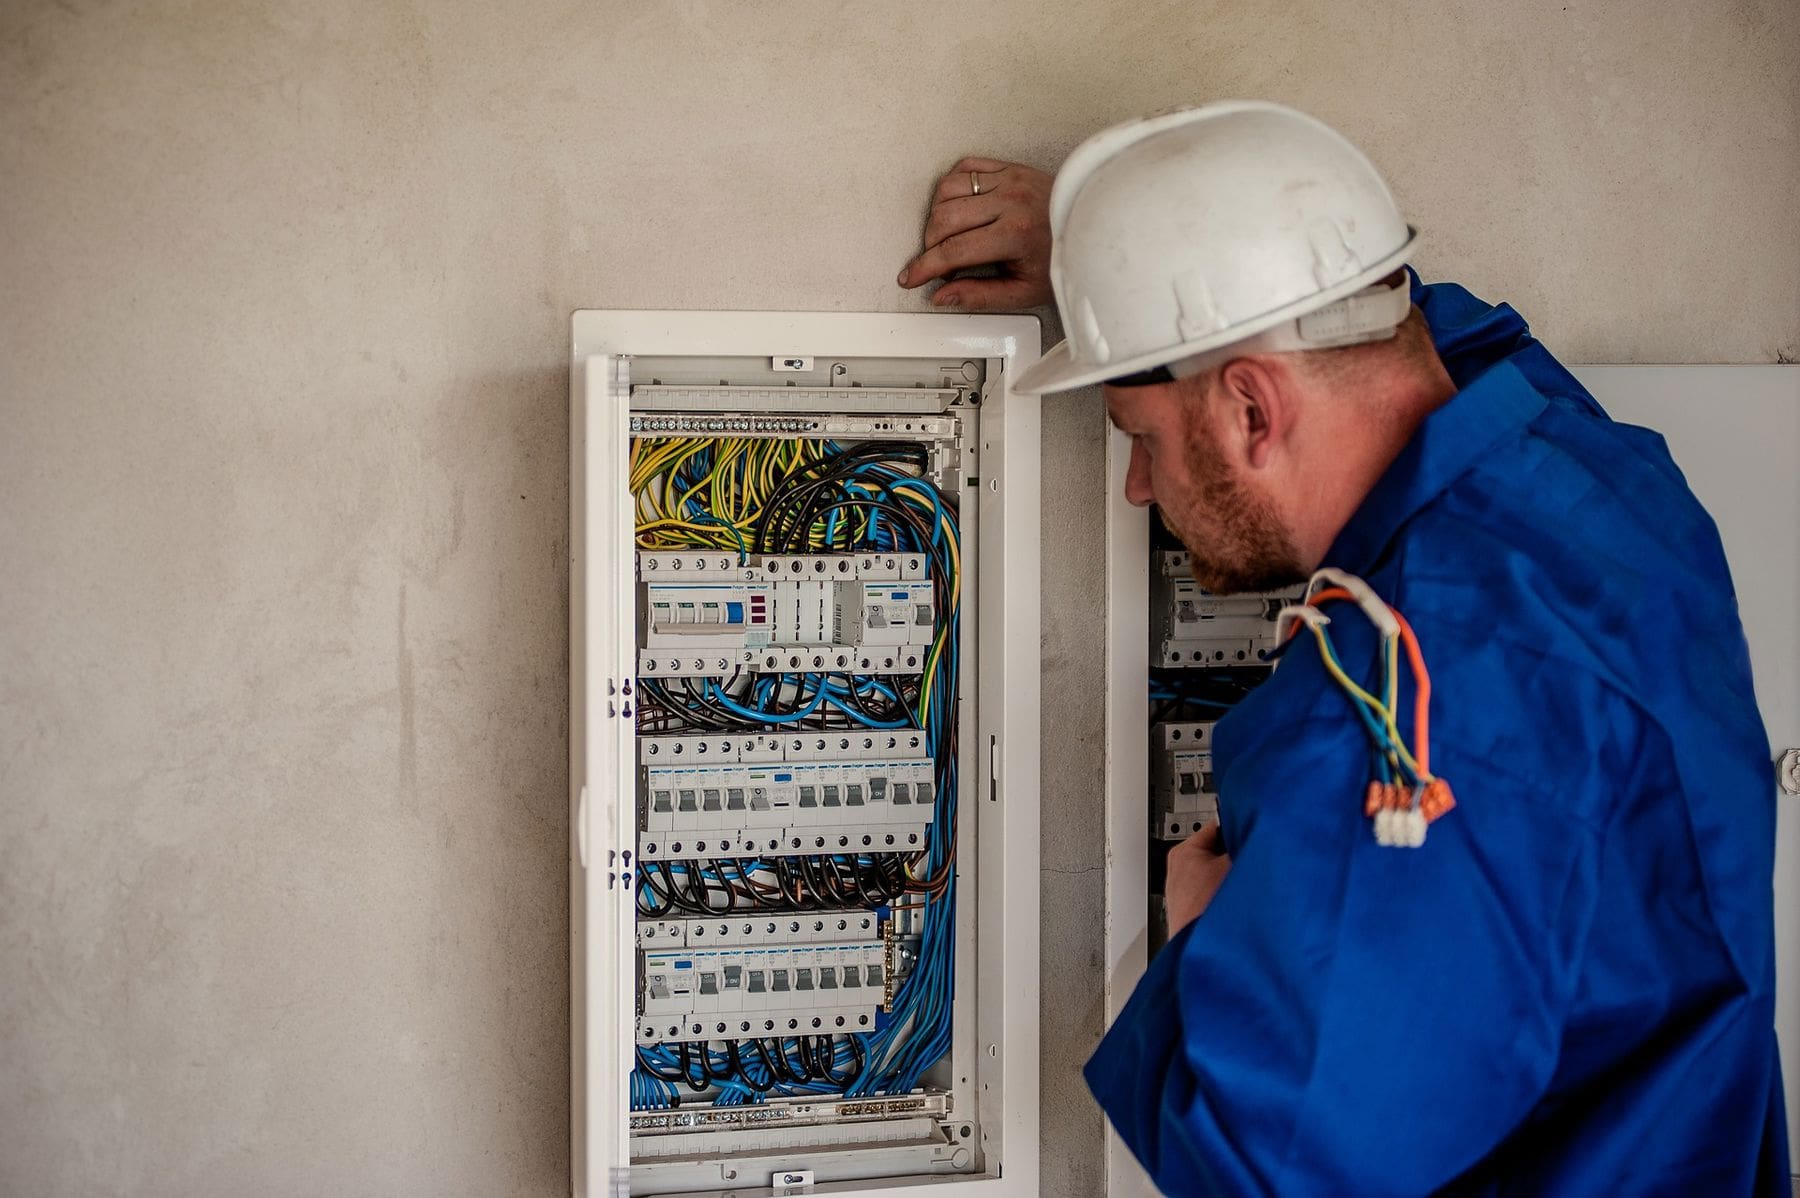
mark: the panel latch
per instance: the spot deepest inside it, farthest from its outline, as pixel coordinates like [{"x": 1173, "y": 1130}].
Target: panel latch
[{"x": 792, "y": 1181}]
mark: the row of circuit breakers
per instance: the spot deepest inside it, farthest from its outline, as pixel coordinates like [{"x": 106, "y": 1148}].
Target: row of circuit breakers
[
  {"x": 771, "y": 795},
  {"x": 1191, "y": 630},
  {"x": 705, "y": 613},
  {"x": 750, "y": 975}
]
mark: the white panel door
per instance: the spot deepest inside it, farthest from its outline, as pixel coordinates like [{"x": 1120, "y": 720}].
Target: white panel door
[{"x": 601, "y": 660}]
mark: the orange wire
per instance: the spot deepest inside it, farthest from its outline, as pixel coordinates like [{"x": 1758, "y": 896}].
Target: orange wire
[{"x": 1422, "y": 699}]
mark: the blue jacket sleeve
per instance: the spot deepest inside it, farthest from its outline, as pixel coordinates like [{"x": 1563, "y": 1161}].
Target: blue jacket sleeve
[{"x": 1349, "y": 1018}]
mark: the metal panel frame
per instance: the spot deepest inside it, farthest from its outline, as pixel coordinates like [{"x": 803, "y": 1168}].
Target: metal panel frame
[{"x": 1000, "y": 805}]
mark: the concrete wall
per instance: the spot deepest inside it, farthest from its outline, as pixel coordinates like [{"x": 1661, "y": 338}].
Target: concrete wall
[{"x": 283, "y": 313}]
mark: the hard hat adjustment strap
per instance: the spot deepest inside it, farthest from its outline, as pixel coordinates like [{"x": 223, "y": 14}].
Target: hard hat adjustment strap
[
  {"x": 1376, "y": 309},
  {"x": 1371, "y": 314}
]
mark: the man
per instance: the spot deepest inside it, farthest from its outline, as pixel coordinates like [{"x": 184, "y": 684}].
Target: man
[{"x": 1567, "y": 986}]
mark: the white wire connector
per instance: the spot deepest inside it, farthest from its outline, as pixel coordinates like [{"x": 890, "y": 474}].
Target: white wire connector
[
  {"x": 1379, "y": 613},
  {"x": 1293, "y": 614},
  {"x": 1400, "y": 829}
]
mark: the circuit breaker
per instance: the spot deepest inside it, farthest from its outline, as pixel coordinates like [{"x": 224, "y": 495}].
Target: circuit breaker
[
  {"x": 803, "y": 753},
  {"x": 1190, "y": 626},
  {"x": 1182, "y": 795}
]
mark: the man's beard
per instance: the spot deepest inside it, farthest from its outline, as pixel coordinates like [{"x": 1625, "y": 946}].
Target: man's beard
[{"x": 1236, "y": 541}]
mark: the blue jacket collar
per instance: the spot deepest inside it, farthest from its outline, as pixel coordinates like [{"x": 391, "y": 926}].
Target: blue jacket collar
[{"x": 1492, "y": 409}]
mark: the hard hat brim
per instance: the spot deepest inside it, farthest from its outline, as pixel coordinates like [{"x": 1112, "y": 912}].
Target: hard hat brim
[{"x": 1058, "y": 370}]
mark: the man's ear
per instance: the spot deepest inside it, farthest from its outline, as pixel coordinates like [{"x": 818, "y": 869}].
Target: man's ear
[{"x": 1254, "y": 410}]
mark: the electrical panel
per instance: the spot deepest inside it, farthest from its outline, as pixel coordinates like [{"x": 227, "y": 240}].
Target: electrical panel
[{"x": 808, "y": 729}]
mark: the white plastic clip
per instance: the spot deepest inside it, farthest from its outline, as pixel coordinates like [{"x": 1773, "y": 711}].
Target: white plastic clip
[
  {"x": 1293, "y": 615},
  {"x": 1400, "y": 829},
  {"x": 1378, "y": 612}
]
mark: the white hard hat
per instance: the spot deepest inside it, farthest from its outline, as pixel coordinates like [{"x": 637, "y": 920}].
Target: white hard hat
[{"x": 1194, "y": 230}]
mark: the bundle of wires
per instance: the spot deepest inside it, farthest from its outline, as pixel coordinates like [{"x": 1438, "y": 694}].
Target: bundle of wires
[
  {"x": 1199, "y": 694},
  {"x": 768, "y": 496},
  {"x": 1404, "y": 796},
  {"x": 787, "y": 700},
  {"x": 733, "y": 1072},
  {"x": 766, "y": 885}
]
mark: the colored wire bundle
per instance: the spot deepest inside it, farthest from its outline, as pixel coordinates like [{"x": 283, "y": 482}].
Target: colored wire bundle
[
  {"x": 769, "y": 496},
  {"x": 1404, "y": 796},
  {"x": 731, "y": 1072},
  {"x": 733, "y": 885},
  {"x": 795, "y": 701},
  {"x": 1199, "y": 694}
]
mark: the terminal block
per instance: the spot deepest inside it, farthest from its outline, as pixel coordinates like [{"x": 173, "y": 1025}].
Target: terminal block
[
  {"x": 758, "y": 929},
  {"x": 1183, "y": 794},
  {"x": 1192, "y": 627},
  {"x": 711, "y": 614}
]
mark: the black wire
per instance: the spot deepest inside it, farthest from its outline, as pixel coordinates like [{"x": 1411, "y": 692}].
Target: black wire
[
  {"x": 830, "y": 1051},
  {"x": 806, "y": 1057},
  {"x": 777, "y": 527},
  {"x": 687, "y": 1075},
  {"x": 877, "y": 888},
  {"x": 688, "y": 901},
  {"x": 738, "y": 1070},
  {"x": 858, "y": 1058}
]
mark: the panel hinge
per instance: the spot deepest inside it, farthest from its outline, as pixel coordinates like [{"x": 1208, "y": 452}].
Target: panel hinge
[
  {"x": 1787, "y": 772},
  {"x": 619, "y": 1183},
  {"x": 993, "y": 769}
]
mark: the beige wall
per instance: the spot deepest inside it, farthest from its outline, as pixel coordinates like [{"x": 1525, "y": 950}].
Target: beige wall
[{"x": 283, "y": 316}]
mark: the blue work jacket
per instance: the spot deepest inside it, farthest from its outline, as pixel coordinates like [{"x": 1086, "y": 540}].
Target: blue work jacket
[{"x": 1569, "y": 988}]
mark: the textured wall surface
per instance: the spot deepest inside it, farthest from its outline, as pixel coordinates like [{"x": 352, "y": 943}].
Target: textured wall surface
[{"x": 283, "y": 327}]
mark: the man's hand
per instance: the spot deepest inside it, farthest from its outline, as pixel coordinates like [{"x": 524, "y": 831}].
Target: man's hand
[
  {"x": 1197, "y": 868},
  {"x": 1006, "y": 226}
]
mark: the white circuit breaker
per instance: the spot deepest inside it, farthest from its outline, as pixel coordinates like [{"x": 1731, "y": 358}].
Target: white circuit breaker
[
  {"x": 1183, "y": 798},
  {"x": 803, "y": 754},
  {"x": 1190, "y": 626}
]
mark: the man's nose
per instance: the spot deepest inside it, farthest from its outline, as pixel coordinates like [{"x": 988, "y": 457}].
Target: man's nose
[{"x": 1137, "y": 477}]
